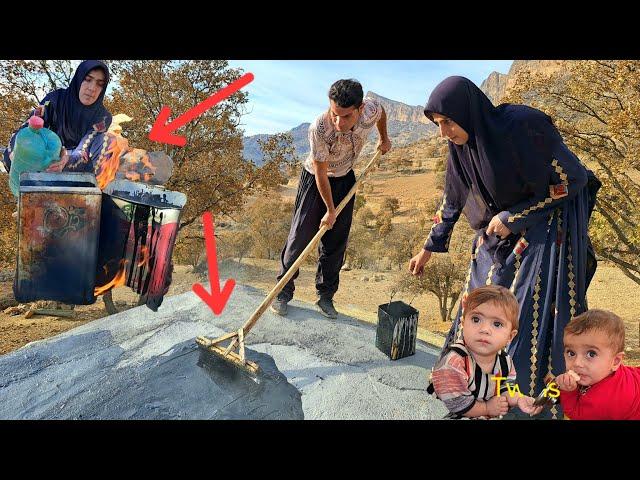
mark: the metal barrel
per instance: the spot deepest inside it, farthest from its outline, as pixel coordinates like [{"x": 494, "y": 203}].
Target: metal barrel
[
  {"x": 58, "y": 231},
  {"x": 137, "y": 234}
]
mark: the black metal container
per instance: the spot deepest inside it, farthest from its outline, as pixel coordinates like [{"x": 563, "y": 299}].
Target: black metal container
[{"x": 397, "y": 329}]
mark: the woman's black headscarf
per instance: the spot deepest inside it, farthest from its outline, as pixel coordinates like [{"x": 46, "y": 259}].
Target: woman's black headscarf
[
  {"x": 67, "y": 116},
  {"x": 503, "y": 161}
]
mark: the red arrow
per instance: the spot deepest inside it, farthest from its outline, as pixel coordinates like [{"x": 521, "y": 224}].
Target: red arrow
[
  {"x": 216, "y": 299},
  {"x": 162, "y": 131}
]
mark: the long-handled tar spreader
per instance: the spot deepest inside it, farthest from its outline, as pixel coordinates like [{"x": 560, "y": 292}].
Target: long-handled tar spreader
[{"x": 236, "y": 338}]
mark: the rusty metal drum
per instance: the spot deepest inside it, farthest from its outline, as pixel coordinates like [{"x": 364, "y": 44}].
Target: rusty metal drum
[{"x": 58, "y": 231}]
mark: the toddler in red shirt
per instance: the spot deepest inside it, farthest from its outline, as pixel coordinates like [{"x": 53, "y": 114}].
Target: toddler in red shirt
[{"x": 596, "y": 385}]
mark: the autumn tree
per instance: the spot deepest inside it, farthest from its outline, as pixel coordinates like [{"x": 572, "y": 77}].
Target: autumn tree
[
  {"x": 444, "y": 273},
  {"x": 392, "y": 204},
  {"x": 361, "y": 251},
  {"x": 240, "y": 243},
  {"x": 397, "y": 160},
  {"x": 364, "y": 216},
  {"x": 430, "y": 150},
  {"x": 383, "y": 223},
  {"x": 9, "y": 231},
  {"x": 268, "y": 220},
  {"x": 359, "y": 202},
  {"x": 443, "y": 276},
  {"x": 596, "y": 107},
  {"x": 24, "y": 84},
  {"x": 406, "y": 241},
  {"x": 190, "y": 251},
  {"x": 210, "y": 168},
  {"x": 278, "y": 153}
]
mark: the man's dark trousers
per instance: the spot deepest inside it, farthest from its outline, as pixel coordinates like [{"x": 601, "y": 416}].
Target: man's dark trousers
[{"x": 308, "y": 211}]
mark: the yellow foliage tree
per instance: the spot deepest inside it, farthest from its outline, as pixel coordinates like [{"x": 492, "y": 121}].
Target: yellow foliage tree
[
  {"x": 268, "y": 220},
  {"x": 210, "y": 169}
]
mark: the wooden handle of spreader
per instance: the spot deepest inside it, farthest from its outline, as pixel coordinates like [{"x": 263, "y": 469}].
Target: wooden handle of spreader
[{"x": 283, "y": 281}]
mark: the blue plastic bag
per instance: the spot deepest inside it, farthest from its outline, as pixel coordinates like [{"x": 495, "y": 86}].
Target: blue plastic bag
[{"x": 35, "y": 149}]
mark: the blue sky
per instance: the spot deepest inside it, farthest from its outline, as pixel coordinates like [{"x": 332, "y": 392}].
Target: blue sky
[{"x": 286, "y": 93}]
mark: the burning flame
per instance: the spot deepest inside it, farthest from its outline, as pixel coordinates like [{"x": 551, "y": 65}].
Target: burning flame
[
  {"x": 109, "y": 166},
  {"x": 144, "y": 254},
  {"x": 138, "y": 166},
  {"x": 118, "y": 280},
  {"x": 132, "y": 163}
]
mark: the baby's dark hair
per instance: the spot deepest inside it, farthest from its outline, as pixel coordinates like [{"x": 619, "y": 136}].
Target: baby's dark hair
[
  {"x": 599, "y": 320},
  {"x": 346, "y": 93}
]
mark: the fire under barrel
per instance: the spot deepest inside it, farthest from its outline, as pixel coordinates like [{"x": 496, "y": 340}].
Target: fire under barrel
[
  {"x": 137, "y": 233},
  {"x": 58, "y": 230}
]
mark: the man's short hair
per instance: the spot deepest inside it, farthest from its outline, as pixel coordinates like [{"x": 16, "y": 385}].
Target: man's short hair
[
  {"x": 499, "y": 296},
  {"x": 346, "y": 93},
  {"x": 599, "y": 320}
]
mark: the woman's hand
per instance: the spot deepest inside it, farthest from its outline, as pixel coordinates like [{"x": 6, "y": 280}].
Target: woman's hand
[
  {"x": 416, "y": 264},
  {"x": 498, "y": 228},
  {"x": 60, "y": 164}
]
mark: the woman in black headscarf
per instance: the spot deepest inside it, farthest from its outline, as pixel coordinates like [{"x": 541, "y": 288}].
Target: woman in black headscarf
[
  {"x": 529, "y": 200},
  {"x": 72, "y": 113}
]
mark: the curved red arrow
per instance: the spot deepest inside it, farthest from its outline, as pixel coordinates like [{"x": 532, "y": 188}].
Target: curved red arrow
[
  {"x": 216, "y": 300},
  {"x": 162, "y": 131}
]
